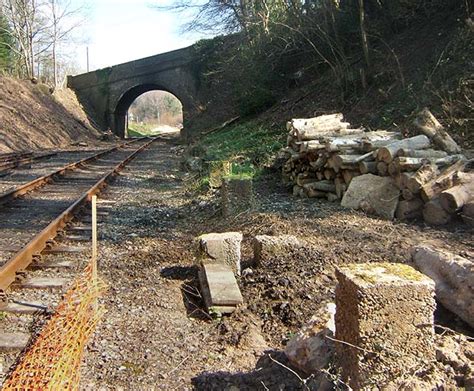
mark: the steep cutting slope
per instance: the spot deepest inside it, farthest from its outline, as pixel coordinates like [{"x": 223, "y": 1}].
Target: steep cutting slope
[{"x": 33, "y": 118}]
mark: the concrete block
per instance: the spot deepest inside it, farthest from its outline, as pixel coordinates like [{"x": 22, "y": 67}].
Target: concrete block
[
  {"x": 217, "y": 171},
  {"x": 384, "y": 318},
  {"x": 221, "y": 248},
  {"x": 267, "y": 247},
  {"x": 372, "y": 194},
  {"x": 237, "y": 196},
  {"x": 219, "y": 288}
]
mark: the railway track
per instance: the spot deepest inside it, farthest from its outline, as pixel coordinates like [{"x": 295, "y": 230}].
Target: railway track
[{"x": 34, "y": 214}]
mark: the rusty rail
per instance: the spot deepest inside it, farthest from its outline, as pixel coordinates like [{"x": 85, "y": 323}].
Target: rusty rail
[
  {"x": 39, "y": 182},
  {"x": 23, "y": 258}
]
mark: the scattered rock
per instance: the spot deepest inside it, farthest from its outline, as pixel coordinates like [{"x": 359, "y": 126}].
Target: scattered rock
[
  {"x": 372, "y": 194},
  {"x": 310, "y": 350}
]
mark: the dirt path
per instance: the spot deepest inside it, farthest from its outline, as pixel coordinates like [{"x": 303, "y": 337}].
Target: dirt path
[{"x": 155, "y": 335}]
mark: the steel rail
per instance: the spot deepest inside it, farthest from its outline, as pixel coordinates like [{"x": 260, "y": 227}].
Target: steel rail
[
  {"x": 39, "y": 182},
  {"x": 23, "y": 258}
]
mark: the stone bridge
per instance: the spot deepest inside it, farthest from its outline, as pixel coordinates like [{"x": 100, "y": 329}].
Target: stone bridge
[{"x": 108, "y": 93}]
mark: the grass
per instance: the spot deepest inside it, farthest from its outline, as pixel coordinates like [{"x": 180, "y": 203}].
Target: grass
[
  {"x": 141, "y": 130},
  {"x": 250, "y": 142},
  {"x": 248, "y": 146}
]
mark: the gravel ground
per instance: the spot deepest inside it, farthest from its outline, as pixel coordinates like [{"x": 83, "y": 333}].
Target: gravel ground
[{"x": 156, "y": 335}]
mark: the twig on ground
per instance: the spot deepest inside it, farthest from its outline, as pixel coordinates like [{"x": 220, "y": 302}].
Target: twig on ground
[
  {"x": 351, "y": 345},
  {"x": 303, "y": 381}
]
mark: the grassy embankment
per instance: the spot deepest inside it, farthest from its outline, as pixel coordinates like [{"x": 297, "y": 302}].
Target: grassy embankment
[
  {"x": 142, "y": 130},
  {"x": 249, "y": 146}
]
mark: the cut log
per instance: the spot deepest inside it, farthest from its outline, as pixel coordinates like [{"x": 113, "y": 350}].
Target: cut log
[
  {"x": 430, "y": 126},
  {"x": 319, "y": 163},
  {"x": 453, "y": 276},
  {"x": 404, "y": 178},
  {"x": 407, "y": 195},
  {"x": 455, "y": 198},
  {"x": 326, "y": 186},
  {"x": 368, "y": 167},
  {"x": 442, "y": 182},
  {"x": 467, "y": 213},
  {"x": 382, "y": 168},
  {"x": 421, "y": 177},
  {"x": 313, "y": 122},
  {"x": 329, "y": 131},
  {"x": 402, "y": 164},
  {"x": 424, "y": 153},
  {"x": 409, "y": 209},
  {"x": 298, "y": 191},
  {"x": 348, "y": 175},
  {"x": 341, "y": 187},
  {"x": 313, "y": 193},
  {"x": 448, "y": 160},
  {"x": 389, "y": 152},
  {"x": 329, "y": 174},
  {"x": 434, "y": 214}
]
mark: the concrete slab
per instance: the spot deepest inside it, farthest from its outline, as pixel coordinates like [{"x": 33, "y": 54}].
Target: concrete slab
[
  {"x": 41, "y": 283},
  {"x": 13, "y": 341},
  {"x": 65, "y": 249},
  {"x": 219, "y": 287},
  {"x": 23, "y": 309},
  {"x": 54, "y": 265}
]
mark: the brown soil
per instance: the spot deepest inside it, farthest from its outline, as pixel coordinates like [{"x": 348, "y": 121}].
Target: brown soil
[
  {"x": 156, "y": 334},
  {"x": 32, "y": 118}
]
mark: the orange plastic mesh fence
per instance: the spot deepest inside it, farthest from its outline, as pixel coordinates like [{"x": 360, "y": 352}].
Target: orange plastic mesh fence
[{"x": 53, "y": 361}]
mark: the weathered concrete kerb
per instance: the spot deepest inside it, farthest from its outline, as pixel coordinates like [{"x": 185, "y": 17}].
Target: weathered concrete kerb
[{"x": 108, "y": 93}]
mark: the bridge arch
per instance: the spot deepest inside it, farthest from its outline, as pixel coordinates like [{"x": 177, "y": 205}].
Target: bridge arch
[
  {"x": 107, "y": 93},
  {"x": 124, "y": 102}
]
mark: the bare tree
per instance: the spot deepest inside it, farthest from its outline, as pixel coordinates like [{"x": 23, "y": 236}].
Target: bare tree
[{"x": 38, "y": 28}]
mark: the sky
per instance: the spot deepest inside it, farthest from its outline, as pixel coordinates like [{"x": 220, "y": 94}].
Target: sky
[{"x": 118, "y": 31}]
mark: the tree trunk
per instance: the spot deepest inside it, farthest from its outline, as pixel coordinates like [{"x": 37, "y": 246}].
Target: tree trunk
[
  {"x": 430, "y": 126},
  {"x": 456, "y": 197},
  {"x": 421, "y": 177},
  {"x": 389, "y": 152},
  {"x": 427, "y": 153},
  {"x": 442, "y": 182}
]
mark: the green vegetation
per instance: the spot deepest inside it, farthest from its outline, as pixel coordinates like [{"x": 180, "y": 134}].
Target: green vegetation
[
  {"x": 367, "y": 274},
  {"x": 250, "y": 143},
  {"x": 140, "y": 130}
]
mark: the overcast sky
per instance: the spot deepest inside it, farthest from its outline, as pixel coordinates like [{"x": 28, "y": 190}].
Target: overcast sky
[{"x": 123, "y": 30}]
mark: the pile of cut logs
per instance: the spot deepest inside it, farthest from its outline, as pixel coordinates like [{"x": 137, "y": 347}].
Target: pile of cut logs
[{"x": 324, "y": 154}]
